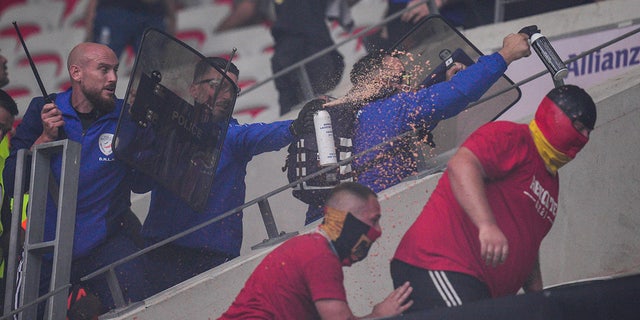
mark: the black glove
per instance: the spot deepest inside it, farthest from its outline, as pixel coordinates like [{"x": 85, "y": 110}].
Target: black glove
[{"x": 304, "y": 123}]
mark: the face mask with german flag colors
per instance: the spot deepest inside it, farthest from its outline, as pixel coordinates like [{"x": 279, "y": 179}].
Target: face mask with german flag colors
[
  {"x": 350, "y": 237},
  {"x": 554, "y": 135}
]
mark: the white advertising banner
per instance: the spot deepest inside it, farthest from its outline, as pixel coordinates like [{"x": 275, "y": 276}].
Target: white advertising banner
[{"x": 586, "y": 72}]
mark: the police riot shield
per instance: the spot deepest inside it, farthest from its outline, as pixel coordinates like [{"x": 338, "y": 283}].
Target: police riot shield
[
  {"x": 174, "y": 120},
  {"x": 432, "y": 52}
]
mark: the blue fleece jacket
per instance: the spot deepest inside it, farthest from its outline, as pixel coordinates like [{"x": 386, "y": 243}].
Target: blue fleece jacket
[
  {"x": 103, "y": 192},
  {"x": 383, "y": 119},
  {"x": 169, "y": 215}
]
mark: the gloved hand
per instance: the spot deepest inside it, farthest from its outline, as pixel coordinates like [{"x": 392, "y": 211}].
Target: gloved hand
[{"x": 304, "y": 123}]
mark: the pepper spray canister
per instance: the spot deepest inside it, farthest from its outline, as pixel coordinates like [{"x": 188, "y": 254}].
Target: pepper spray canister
[
  {"x": 324, "y": 138},
  {"x": 545, "y": 51}
]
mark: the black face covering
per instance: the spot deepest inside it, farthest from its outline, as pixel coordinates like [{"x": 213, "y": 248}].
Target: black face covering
[{"x": 350, "y": 237}]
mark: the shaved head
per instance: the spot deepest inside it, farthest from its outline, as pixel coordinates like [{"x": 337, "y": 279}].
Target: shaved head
[
  {"x": 84, "y": 52},
  {"x": 357, "y": 199},
  {"x": 350, "y": 197},
  {"x": 93, "y": 73}
]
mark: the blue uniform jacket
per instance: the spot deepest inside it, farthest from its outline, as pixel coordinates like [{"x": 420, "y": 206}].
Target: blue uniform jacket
[
  {"x": 103, "y": 192},
  {"x": 384, "y": 119},
  {"x": 168, "y": 215}
]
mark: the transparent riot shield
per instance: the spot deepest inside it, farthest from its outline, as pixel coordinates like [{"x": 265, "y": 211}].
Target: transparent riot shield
[
  {"x": 431, "y": 52},
  {"x": 175, "y": 117}
]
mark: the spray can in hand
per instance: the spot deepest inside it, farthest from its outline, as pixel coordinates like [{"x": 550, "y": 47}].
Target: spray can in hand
[
  {"x": 324, "y": 138},
  {"x": 545, "y": 51}
]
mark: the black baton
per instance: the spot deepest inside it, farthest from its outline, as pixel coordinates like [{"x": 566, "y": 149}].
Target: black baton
[{"x": 47, "y": 99}]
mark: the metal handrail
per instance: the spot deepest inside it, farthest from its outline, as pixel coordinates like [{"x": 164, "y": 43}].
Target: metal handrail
[
  {"x": 41, "y": 298},
  {"x": 333, "y": 166},
  {"x": 340, "y": 163}
]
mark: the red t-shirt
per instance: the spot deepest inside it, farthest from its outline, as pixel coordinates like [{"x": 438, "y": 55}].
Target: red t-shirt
[
  {"x": 289, "y": 280},
  {"x": 522, "y": 195}
]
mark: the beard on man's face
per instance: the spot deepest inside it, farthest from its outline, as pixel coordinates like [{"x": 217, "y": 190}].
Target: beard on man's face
[{"x": 104, "y": 105}]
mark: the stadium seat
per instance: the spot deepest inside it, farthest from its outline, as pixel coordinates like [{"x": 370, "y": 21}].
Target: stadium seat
[
  {"x": 259, "y": 105},
  {"x": 74, "y": 13},
  {"x": 9, "y": 46},
  {"x": 46, "y": 15},
  {"x": 194, "y": 25},
  {"x": 250, "y": 41},
  {"x": 8, "y": 3},
  {"x": 49, "y": 52}
]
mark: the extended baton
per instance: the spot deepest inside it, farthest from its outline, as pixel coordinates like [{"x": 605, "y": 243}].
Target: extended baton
[
  {"x": 33, "y": 65},
  {"x": 46, "y": 97}
]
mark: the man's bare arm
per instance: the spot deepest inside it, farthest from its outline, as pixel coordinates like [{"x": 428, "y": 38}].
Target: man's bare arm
[{"x": 467, "y": 184}]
